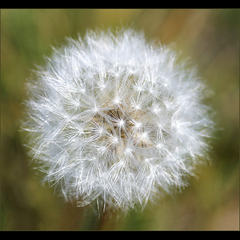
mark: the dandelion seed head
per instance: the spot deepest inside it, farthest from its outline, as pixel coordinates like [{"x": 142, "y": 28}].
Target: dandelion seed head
[{"x": 116, "y": 119}]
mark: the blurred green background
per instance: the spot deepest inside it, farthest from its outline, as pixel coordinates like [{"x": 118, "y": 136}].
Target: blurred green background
[{"x": 211, "y": 39}]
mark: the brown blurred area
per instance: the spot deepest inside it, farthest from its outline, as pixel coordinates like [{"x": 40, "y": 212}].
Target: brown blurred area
[{"x": 210, "y": 37}]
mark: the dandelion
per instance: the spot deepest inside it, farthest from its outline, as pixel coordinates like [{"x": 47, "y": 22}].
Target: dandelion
[{"x": 118, "y": 120}]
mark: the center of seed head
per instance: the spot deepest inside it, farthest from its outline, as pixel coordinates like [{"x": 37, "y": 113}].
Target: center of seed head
[{"x": 121, "y": 130}]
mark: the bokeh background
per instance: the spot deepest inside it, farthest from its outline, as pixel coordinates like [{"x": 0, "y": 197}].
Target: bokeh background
[{"x": 209, "y": 37}]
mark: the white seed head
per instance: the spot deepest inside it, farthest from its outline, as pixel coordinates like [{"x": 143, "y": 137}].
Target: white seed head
[{"x": 115, "y": 119}]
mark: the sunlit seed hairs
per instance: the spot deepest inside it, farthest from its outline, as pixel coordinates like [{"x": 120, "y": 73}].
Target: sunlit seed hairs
[{"x": 118, "y": 120}]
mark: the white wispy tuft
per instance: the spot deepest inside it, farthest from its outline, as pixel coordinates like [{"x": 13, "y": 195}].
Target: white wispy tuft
[{"x": 115, "y": 119}]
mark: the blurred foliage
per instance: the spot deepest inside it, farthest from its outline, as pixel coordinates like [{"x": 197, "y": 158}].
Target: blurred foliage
[{"x": 210, "y": 37}]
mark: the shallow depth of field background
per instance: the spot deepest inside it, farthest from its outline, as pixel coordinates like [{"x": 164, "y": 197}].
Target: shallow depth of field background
[{"x": 209, "y": 37}]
